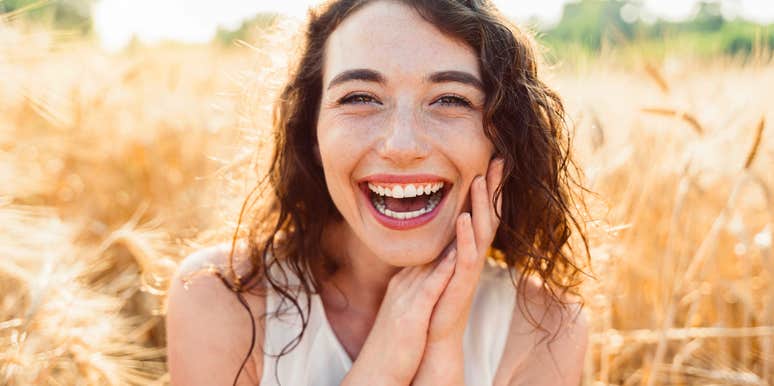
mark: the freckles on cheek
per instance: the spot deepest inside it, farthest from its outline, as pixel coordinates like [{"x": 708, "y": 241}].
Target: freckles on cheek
[
  {"x": 339, "y": 152},
  {"x": 462, "y": 135},
  {"x": 343, "y": 126},
  {"x": 347, "y": 138},
  {"x": 468, "y": 148}
]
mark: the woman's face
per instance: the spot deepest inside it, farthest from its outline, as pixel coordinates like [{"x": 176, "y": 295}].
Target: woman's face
[{"x": 401, "y": 114}]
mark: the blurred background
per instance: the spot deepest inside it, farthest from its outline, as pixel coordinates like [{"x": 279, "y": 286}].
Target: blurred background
[{"x": 131, "y": 132}]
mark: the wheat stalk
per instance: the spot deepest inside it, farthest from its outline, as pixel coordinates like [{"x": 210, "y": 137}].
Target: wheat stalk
[
  {"x": 649, "y": 336},
  {"x": 687, "y": 117},
  {"x": 656, "y": 76},
  {"x": 756, "y": 143}
]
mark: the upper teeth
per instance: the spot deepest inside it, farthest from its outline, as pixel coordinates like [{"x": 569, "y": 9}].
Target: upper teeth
[{"x": 405, "y": 191}]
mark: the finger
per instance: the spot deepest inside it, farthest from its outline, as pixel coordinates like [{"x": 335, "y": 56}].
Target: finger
[
  {"x": 420, "y": 273},
  {"x": 433, "y": 285},
  {"x": 449, "y": 247},
  {"x": 400, "y": 278},
  {"x": 437, "y": 264},
  {"x": 445, "y": 252},
  {"x": 493, "y": 178},
  {"x": 481, "y": 212},
  {"x": 469, "y": 263},
  {"x": 411, "y": 274},
  {"x": 467, "y": 252}
]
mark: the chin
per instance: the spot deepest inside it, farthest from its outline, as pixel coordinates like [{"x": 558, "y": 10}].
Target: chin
[{"x": 408, "y": 256}]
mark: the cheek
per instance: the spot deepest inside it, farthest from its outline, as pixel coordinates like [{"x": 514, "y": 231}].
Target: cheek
[
  {"x": 341, "y": 146},
  {"x": 464, "y": 142},
  {"x": 343, "y": 135}
]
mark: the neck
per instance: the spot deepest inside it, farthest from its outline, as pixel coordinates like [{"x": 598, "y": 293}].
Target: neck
[{"x": 361, "y": 281}]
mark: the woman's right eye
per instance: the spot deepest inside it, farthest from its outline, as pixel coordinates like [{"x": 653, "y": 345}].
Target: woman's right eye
[{"x": 358, "y": 99}]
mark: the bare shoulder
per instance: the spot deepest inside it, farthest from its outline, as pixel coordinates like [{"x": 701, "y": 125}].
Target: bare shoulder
[
  {"x": 552, "y": 355},
  {"x": 208, "y": 330}
]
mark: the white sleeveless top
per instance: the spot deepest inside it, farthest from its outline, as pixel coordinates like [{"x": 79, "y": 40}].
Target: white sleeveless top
[{"x": 319, "y": 359}]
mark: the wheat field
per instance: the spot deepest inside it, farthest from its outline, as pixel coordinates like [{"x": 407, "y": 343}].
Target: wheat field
[{"x": 116, "y": 166}]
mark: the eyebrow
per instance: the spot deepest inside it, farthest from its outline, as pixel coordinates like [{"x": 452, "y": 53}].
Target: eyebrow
[
  {"x": 357, "y": 74},
  {"x": 367, "y": 75},
  {"x": 456, "y": 76}
]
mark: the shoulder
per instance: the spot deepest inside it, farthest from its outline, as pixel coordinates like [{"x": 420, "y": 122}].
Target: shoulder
[
  {"x": 552, "y": 354},
  {"x": 208, "y": 330}
]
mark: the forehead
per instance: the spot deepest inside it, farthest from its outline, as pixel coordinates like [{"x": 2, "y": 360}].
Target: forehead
[{"x": 392, "y": 38}]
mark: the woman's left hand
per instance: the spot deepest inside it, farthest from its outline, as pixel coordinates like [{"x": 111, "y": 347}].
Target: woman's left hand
[{"x": 442, "y": 361}]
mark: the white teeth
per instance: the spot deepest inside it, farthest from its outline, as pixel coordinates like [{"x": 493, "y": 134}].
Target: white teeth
[
  {"x": 381, "y": 207},
  {"x": 397, "y": 191},
  {"x": 405, "y": 215},
  {"x": 405, "y": 191}
]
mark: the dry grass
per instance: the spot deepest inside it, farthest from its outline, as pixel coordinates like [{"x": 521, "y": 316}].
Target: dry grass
[{"x": 116, "y": 166}]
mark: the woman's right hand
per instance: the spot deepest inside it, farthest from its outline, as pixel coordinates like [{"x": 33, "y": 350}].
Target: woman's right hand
[{"x": 393, "y": 350}]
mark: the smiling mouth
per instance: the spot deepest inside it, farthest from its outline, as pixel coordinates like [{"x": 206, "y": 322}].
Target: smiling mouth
[{"x": 406, "y": 201}]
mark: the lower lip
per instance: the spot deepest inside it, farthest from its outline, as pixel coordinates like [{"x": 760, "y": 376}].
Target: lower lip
[{"x": 398, "y": 224}]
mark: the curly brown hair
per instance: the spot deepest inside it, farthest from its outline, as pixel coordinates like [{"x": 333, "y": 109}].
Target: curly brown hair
[{"x": 542, "y": 198}]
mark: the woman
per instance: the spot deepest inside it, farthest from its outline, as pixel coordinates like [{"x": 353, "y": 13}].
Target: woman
[{"x": 414, "y": 141}]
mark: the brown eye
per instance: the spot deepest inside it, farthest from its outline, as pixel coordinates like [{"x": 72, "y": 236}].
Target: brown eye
[
  {"x": 453, "y": 100},
  {"x": 358, "y": 99}
]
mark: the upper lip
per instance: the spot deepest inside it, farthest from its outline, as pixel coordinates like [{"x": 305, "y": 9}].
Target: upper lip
[{"x": 402, "y": 178}]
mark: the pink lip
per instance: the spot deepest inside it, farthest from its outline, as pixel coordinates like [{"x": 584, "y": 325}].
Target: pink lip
[{"x": 394, "y": 223}]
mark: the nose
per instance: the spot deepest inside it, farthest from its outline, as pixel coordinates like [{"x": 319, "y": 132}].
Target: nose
[{"x": 403, "y": 140}]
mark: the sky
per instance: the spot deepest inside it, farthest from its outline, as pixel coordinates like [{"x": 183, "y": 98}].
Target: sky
[{"x": 116, "y": 21}]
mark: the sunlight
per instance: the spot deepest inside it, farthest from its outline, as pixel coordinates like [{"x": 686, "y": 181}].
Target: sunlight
[{"x": 196, "y": 21}]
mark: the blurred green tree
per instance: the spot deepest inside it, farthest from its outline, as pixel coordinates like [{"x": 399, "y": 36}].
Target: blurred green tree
[
  {"x": 590, "y": 22},
  {"x": 72, "y": 15},
  {"x": 708, "y": 17},
  {"x": 590, "y": 25}
]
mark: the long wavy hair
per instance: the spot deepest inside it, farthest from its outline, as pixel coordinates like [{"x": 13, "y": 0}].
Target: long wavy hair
[{"x": 523, "y": 118}]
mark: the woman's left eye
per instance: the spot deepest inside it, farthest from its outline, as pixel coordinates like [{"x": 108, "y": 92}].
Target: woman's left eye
[
  {"x": 453, "y": 100},
  {"x": 357, "y": 99}
]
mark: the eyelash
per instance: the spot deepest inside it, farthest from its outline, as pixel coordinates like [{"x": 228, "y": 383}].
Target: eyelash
[
  {"x": 456, "y": 100},
  {"x": 351, "y": 99}
]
